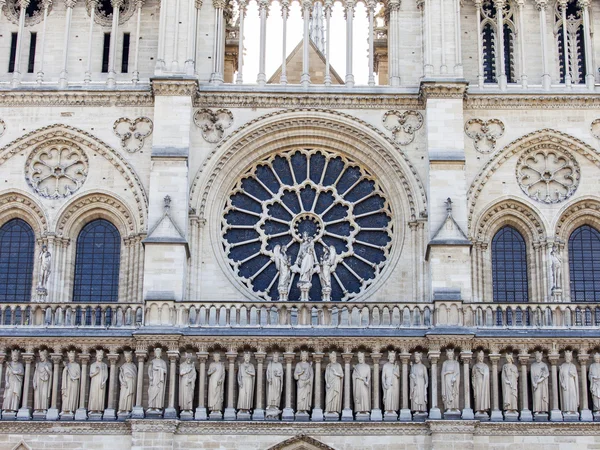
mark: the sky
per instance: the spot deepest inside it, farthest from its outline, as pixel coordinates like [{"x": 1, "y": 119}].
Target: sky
[{"x": 294, "y": 36}]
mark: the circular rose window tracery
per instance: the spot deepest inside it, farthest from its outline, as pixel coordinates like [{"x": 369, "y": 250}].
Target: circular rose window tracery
[{"x": 309, "y": 222}]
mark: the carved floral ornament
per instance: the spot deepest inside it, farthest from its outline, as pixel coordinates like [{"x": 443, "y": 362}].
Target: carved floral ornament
[
  {"x": 133, "y": 132},
  {"x": 213, "y": 123},
  {"x": 56, "y": 168},
  {"x": 548, "y": 175},
  {"x": 403, "y": 125},
  {"x": 484, "y": 133}
]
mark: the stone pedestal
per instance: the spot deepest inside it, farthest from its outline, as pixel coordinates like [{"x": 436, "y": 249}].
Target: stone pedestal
[
  {"x": 511, "y": 416},
  {"x": 376, "y": 415},
  {"x": 347, "y": 415},
  {"x": 452, "y": 414},
  {"x": 304, "y": 290},
  {"x": 244, "y": 415},
  {"x": 556, "y": 415},
  {"x": 80, "y": 414},
  {"x": 331, "y": 417},
  {"x": 24, "y": 414},
  {"x": 597, "y": 416},
  {"x": 170, "y": 413},
  {"x": 288, "y": 414},
  {"x": 526, "y": 416},
  {"x": 482, "y": 416},
  {"x": 137, "y": 412},
  {"x": 390, "y": 416},
  {"x": 186, "y": 415},
  {"x": 123, "y": 415},
  {"x": 586, "y": 415},
  {"x": 405, "y": 415},
  {"x": 9, "y": 415},
  {"x": 435, "y": 414},
  {"x": 363, "y": 417},
  {"x": 229, "y": 414},
  {"x": 39, "y": 415},
  {"x": 540, "y": 417},
  {"x": 571, "y": 417},
  {"x": 96, "y": 415},
  {"x": 420, "y": 416},
  {"x": 496, "y": 416},
  {"x": 215, "y": 415},
  {"x": 317, "y": 415},
  {"x": 467, "y": 414},
  {"x": 109, "y": 414},
  {"x": 200, "y": 414},
  {"x": 154, "y": 413},
  {"x": 272, "y": 414},
  {"x": 52, "y": 414},
  {"x": 302, "y": 416},
  {"x": 63, "y": 416},
  {"x": 258, "y": 414}
]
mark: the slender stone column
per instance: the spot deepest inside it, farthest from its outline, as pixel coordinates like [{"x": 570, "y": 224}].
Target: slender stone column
[
  {"x": 443, "y": 65},
  {"x": 160, "y": 53},
  {"x": 587, "y": 39},
  {"x": 242, "y": 4},
  {"x": 110, "y": 411},
  {"x": 175, "y": 62},
  {"x": 306, "y": 9},
  {"x": 259, "y": 411},
  {"x": 428, "y": 70},
  {"x": 317, "y": 413},
  {"x": 349, "y": 12},
  {"x": 586, "y": 414},
  {"x": 458, "y": 67},
  {"x": 371, "y": 4},
  {"x": 501, "y": 70},
  {"x": 218, "y": 48},
  {"x": 138, "y": 409},
  {"x": 525, "y": 411},
  {"x": 285, "y": 12},
  {"x": 171, "y": 412},
  {"x": 136, "y": 58},
  {"x": 541, "y": 5},
  {"x": 434, "y": 412},
  {"x": 25, "y": 412},
  {"x": 405, "y": 414},
  {"x": 64, "y": 74},
  {"x": 201, "y": 409},
  {"x": 288, "y": 411},
  {"x": 520, "y": 5},
  {"x": 112, "y": 52},
  {"x": 347, "y": 415},
  {"x": 52, "y": 413},
  {"x": 376, "y": 414},
  {"x": 81, "y": 413},
  {"x": 192, "y": 35},
  {"x": 16, "y": 79},
  {"x": 393, "y": 40},
  {"x": 563, "y": 13},
  {"x": 467, "y": 412},
  {"x": 555, "y": 413},
  {"x": 230, "y": 410},
  {"x": 496, "y": 415},
  {"x": 93, "y": 4},
  {"x": 263, "y": 13},
  {"x": 40, "y": 73}
]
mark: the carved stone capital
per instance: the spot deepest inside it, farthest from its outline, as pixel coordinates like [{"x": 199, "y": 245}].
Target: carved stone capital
[
  {"x": 70, "y": 3},
  {"x": 28, "y": 357},
  {"x": 84, "y": 358},
  {"x": 141, "y": 355},
  {"x": 376, "y": 356},
  {"x": 113, "y": 358},
  {"x": 448, "y": 90},
  {"x": 541, "y": 5},
  {"x": 163, "y": 86},
  {"x": 466, "y": 356},
  {"x": 347, "y": 357}
]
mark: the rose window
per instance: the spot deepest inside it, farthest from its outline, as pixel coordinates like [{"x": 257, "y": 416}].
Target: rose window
[
  {"x": 307, "y": 225},
  {"x": 548, "y": 175},
  {"x": 56, "y": 169}
]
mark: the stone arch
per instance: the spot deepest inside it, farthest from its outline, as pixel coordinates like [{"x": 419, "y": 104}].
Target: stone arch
[
  {"x": 17, "y": 204},
  {"x": 539, "y": 138},
  {"x": 80, "y": 137},
  {"x": 301, "y": 442}
]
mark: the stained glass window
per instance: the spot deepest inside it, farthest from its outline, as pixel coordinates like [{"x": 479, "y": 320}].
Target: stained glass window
[
  {"x": 584, "y": 264},
  {"x": 17, "y": 244},
  {"x": 509, "y": 266},
  {"x": 97, "y": 263}
]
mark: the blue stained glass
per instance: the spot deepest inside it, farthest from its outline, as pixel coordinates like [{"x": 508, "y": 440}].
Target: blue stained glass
[
  {"x": 509, "y": 266},
  {"x": 17, "y": 244},
  {"x": 584, "y": 264}
]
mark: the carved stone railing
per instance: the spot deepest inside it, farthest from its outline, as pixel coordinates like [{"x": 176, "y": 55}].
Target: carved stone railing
[{"x": 102, "y": 315}]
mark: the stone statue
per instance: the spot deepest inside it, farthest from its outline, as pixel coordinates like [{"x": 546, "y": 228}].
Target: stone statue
[
  {"x": 419, "y": 382},
  {"x": 283, "y": 264},
  {"x": 42, "y": 379},
  {"x": 157, "y": 377},
  {"x": 128, "y": 379},
  {"x": 481, "y": 384},
  {"x": 306, "y": 265},
  {"x": 13, "y": 380},
  {"x": 361, "y": 383},
  {"x": 569, "y": 385},
  {"x": 45, "y": 268},
  {"x": 539, "y": 384},
  {"x": 304, "y": 376},
  {"x": 71, "y": 377},
  {"x": 556, "y": 266},
  {"x": 98, "y": 377},
  {"x": 390, "y": 383},
  {"x": 274, "y": 385},
  {"x": 334, "y": 377},
  {"x": 450, "y": 381},
  {"x": 246, "y": 376},
  {"x": 594, "y": 375},
  {"x": 187, "y": 383},
  {"x": 510, "y": 377},
  {"x": 326, "y": 268},
  {"x": 216, "y": 377}
]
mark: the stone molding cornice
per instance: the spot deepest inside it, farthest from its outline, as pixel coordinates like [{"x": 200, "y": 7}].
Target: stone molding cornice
[
  {"x": 76, "y": 98},
  {"x": 174, "y": 87},
  {"x": 531, "y": 101},
  {"x": 443, "y": 89}
]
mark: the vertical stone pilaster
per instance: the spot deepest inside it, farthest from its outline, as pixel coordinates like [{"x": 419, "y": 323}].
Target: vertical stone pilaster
[
  {"x": 317, "y": 413},
  {"x": 171, "y": 412},
  {"x": 405, "y": 414},
  {"x": 586, "y": 414},
  {"x": 467, "y": 412},
  {"x": 81, "y": 413},
  {"x": 347, "y": 414},
  {"x": 52, "y": 413},
  {"x": 555, "y": 413},
  {"x": 496, "y": 415},
  {"x": 525, "y": 411},
  {"x": 259, "y": 410},
  {"x": 376, "y": 413},
  {"x": 230, "y": 409},
  {"x": 201, "y": 409},
  {"x": 434, "y": 411},
  {"x": 138, "y": 409},
  {"x": 24, "y": 412},
  {"x": 288, "y": 411},
  {"x": 110, "y": 411}
]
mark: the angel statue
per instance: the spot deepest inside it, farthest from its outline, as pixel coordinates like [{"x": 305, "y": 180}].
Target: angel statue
[
  {"x": 283, "y": 264},
  {"x": 327, "y": 266},
  {"x": 306, "y": 265}
]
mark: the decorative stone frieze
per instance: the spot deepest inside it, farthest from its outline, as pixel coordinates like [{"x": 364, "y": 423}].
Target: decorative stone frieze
[
  {"x": 484, "y": 133},
  {"x": 522, "y": 101},
  {"x": 77, "y": 98},
  {"x": 132, "y": 132},
  {"x": 403, "y": 125},
  {"x": 441, "y": 89},
  {"x": 213, "y": 123},
  {"x": 166, "y": 86}
]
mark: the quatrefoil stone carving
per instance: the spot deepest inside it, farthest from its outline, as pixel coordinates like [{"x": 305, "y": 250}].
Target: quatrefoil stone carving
[
  {"x": 403, "y": 125},
  {"x": 213, "y": 123},
  {"x": 484, "y": 133},
  {"x": 132, "y": 132}
]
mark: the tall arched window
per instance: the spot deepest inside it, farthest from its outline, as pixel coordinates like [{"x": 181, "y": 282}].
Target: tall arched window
[
  {"x": 491, "y": 44},
  {"x": 509, "y": 266},
  {"x": 17, "y": 244},
  {"x": 97, "y": 263},
  {"x": 573, "y": 39},
  {"x": 584, "y": 264}
]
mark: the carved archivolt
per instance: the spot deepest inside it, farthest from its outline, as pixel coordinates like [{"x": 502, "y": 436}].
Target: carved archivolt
[
  {"x": 585, "y": 211},
  {"x": 56, "y": 169},
  {"x": 11, "y": 201},
  {"x": 484, "y": 133},
  {"x": 403, "y": 125},
  {"x": 132, "y": 132},
  {"x": 547, "y": 174},
  {"x": 213, "y": 123},
  {"x": 91, "y": 144}
]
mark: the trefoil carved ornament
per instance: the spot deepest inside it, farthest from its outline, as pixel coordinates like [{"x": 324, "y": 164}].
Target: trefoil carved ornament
[
  {"x": 213, "y": 123},
  {"x": 133, "y": 132},
  {"x": 484, "y": 133},
  {"x": 403, "y": 125}
]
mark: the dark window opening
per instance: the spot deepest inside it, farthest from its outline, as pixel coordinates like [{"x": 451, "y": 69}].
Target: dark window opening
[
  {"x": 32, "y": 44},
  {"x": 489, "y": 55},
  {"x": 33, "y": 7},
  {"x": 17, "y": 246},
  {"x": 584, "y": 264},
  {"x": 13, "y": 52},
  {"x": 509, "y": 266},
  {"x": 509, "y": 66},
  {"x": 125, "y": 60},
  {"x": 105, "y": 52}
]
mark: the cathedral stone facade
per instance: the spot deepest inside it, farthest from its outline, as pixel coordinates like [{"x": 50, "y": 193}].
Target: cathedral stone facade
[{"x": 401, "y": 251}]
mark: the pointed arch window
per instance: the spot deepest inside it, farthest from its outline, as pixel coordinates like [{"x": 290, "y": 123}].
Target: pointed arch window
[
  {"x": 495, "y": 43},
  {"x": 97, "y": 263},
  {"x": 509, "y": 266},
  {"x": 569, "y": 33},
  {"x": 17, "y": 247},
  {"x": 584, "y": 264}
]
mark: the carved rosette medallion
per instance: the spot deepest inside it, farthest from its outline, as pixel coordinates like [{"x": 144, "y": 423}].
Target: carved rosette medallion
[
  {"x": 56, "y": 169},
  {"x": 548, "y": 175},
  {"x": 313, "y": 194}
]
